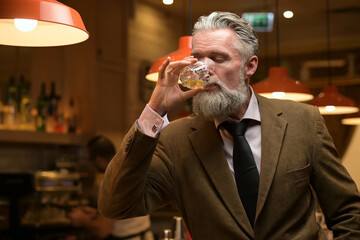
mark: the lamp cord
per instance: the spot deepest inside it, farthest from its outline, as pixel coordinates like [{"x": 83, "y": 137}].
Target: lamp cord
[
  {"x": 328, "y": 40},
  {"x": 277, "y": 33},
  {"x": 190, "y": 17}
]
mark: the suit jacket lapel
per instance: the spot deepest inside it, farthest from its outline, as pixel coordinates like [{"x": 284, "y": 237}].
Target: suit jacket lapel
[
  {"x": 208, "y": 147},
  {"x": 272, "y": 133}
]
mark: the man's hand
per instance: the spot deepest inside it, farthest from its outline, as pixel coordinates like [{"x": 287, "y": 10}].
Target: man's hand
[
  {"x": 81, "y": 216},
  {"x": 167, "y": 92}
]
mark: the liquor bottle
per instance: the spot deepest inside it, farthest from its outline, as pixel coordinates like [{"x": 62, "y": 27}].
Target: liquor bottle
[
  {"x": 41, "y": 110},
  {"x": 25, "y": 107},
  {"x": 71, "y": 118},
  {"x": 52, "y": 100},
  {"x": 22, "y": 90},
  {"x": 11, "y": 105},
  {"x": 52, "y": 110},
  {"x": 179, "y": 231},
  {"x": 11, "y": 92},
  {"x": 59, "y": 118},
  {"x": 166, "y": 235}
]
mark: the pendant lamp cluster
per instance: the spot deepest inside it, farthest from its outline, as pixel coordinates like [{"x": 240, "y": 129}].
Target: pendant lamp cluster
[
  {"x": 40, "y": 23},
  {"x": 278, "y": 84},
  {"x": 330, "y": 101},
  {"x": 184, "y": 50}
]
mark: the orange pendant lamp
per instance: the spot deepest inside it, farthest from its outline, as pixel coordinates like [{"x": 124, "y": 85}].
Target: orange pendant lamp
[
  {"x": 330, "y": 101},
  {"x": 351, "y": 119},
  {"x": 40, "y": 23},
  {"x": 184, "y": 50},
  {"x": 279, "y": 85}
]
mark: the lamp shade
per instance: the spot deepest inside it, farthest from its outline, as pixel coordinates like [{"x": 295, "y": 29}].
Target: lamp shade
[
  {"x": 351, "y": 119},
  {"x": 184, "y": 50},
  {"x": 56, "y": 24},
  {"x": 331, "y": 102},
  {"x": 280, "y": 85}
]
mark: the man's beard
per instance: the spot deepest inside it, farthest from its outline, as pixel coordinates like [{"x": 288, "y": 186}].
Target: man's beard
[{"x": 220, "y": 103}]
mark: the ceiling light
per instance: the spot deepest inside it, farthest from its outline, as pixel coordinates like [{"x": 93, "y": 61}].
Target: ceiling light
[
  {"x": 288, "y": 14},
  {"x": 168, "y": 2},
  {"x": 39, "y": 23},
  {"x": 25, "y": 25}
]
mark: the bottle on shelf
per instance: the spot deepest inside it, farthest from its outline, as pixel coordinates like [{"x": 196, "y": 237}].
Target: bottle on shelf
[
  {"x": 11, "y": 92},
  {"x": 71, "y": 118},
  {"x": 24, "y": 105},
  {"x": 22, "y": 91},
  {"x": 59, "y": 118},
  {"x": 52, "y": 100},
  {"x": 41, "y": 110},
  {"x": 166, "y": 235},
  {"x": 52, "y": 108},
  {"x": 179, "y": 230},
  {"x": 11, "y": 105}
]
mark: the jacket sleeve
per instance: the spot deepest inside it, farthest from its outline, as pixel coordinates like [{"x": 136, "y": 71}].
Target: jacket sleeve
[
  {"x": 138, "y": 179},
  {"x": 336, "y": 191}
]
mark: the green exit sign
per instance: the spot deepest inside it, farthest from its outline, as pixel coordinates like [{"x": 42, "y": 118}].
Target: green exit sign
[{"x": 260, "y": 21}]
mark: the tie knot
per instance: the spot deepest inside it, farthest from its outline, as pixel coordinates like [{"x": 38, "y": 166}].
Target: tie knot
[{"x": 236, "y": 129}]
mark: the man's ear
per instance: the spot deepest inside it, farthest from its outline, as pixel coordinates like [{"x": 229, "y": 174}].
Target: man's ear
[{"x": 251, "y": 66}]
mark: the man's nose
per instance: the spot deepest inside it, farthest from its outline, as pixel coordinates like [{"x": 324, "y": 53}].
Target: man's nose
[{"x": 210, "y": 64}]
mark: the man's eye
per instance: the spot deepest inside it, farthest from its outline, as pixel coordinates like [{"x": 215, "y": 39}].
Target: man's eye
[{"x": 218, "y": 59}]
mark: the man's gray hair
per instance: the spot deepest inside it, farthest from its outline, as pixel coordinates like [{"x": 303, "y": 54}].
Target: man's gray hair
[{"x": 248, "y": 39}]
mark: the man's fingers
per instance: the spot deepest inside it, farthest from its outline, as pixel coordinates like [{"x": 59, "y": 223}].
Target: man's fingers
[
  {"x": 190, "y": 58},
  {"x": 174, "y": 68},
  {"x": 163, "y": 67}
]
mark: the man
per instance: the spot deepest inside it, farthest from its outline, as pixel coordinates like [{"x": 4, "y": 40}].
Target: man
[
  {"x": 191, "y": 162},
  {"x": 101, "y": 150}
]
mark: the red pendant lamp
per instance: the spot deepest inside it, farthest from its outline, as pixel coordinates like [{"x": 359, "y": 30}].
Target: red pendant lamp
[
  {"x": 330, "y": 101},
  {"x": 40, "y": 23},
  {"x": 279, "y": 84},
  {"x": 184, "y": 50},
  {"x": 351, "y": 119}
]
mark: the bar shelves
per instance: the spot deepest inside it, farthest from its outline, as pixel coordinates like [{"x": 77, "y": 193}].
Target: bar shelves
[{"x": 17, "y": 136}]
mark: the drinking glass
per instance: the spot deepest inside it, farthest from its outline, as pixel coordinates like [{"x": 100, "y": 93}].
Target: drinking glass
[{"x": 194, "y": 75}]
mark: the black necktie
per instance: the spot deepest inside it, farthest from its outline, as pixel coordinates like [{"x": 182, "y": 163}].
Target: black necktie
[{"x": 246, "y": 173}]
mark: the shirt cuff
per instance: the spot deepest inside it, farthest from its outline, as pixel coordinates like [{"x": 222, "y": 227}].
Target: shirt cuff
[{"x": 150, "y": 122}]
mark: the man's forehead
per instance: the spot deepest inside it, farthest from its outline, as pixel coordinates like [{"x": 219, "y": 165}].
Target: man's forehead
[{"x": 214, "y": 41}]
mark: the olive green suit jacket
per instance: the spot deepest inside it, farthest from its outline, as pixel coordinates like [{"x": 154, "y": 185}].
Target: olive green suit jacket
[{"x": 186, "y": 166}]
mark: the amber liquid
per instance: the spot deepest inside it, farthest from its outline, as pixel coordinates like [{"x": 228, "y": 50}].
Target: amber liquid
[{"x": 193, "y": 83}]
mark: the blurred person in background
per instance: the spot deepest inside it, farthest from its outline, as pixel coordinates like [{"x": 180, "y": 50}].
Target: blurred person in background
[{"x": 100, "y": 151}]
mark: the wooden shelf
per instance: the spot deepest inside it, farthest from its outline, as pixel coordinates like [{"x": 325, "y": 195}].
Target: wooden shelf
[{"x": 41, "y": 138}]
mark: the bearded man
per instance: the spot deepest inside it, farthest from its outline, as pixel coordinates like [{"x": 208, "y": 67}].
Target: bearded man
[{"x": 243, "y": 166}]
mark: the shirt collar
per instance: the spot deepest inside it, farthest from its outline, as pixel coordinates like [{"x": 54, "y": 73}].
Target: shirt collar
[{"x": 252, "y": 112}]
